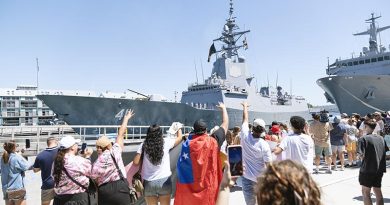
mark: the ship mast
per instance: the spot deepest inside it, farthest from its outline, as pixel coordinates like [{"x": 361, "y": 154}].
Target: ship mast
[
  {"x": 230, "y": 36},
  {"x": 373, "y": 32}
]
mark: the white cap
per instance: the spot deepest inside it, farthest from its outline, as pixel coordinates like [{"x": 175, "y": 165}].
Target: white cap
[
  {"x": 336, "y": 119},
  {"x": 174, "y": 128},
  {"x": 68, "y": 141},
  {"x": 259, "y": 122}
]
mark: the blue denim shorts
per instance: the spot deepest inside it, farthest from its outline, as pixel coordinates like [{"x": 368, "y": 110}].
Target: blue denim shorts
[{"x": 158, "y": 187}]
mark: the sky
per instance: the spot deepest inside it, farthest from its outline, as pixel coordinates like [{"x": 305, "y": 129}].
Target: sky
[{"x": 153, "y": 46}]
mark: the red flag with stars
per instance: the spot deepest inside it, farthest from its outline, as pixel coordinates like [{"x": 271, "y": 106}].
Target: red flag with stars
[{"x": 199, "y": 171}]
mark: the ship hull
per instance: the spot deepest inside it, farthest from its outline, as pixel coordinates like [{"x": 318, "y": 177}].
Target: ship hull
[
  {"x": 358, "y": 94},
  {"x": 77, "y": 110}
]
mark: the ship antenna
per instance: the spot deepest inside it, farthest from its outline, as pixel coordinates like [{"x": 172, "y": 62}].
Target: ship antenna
[
  {"x": 277, "y": 78},
  {"x": 175, "y": 92},
  {"x": 380, "y": 39},
  {"x": 328, "y": 65},
  {"x": 196, "y": 73},
  {"x": 231, "y": 9},
  {"x": 257, "y": 87},
  {"x": 37, "y": 73},
  {"x": 230, "y": 37},
  {"x": 201, "y": 65},
  {"x": 267, "y": 80}
]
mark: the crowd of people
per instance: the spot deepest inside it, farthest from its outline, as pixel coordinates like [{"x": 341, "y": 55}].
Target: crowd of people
[{"x": 277, "y": 162}]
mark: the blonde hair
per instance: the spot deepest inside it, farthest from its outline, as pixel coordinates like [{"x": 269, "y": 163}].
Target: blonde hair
[{"x": 287, "y": 183}]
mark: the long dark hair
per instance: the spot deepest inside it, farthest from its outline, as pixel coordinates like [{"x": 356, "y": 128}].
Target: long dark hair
[
  {"x": 59, "y": 165},
  {"x": 9, "y": 147},
  {"x": 154, "y": 144}
]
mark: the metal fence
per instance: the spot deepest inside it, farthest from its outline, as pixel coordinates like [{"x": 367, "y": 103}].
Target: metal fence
[{"x": 36, "y": 136}]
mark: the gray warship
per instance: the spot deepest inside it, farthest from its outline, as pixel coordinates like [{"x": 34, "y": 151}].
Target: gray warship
[
  {"x": 361, "y": 84},
  {"x": 229, "y": 82}
]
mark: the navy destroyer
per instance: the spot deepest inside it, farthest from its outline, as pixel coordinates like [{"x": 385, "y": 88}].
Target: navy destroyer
[
  {"x": 229, "y": 82},
  {"x": 361, "y": 84}
]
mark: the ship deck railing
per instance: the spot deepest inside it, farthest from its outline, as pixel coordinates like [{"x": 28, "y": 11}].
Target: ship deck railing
[{"x": 36, "y": 136}]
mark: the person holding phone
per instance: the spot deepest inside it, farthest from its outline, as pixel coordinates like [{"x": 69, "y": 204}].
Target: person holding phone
[
  {"x": 69, "y": 168},
  {"x": 83, "y": 147},
  {"x": 235, "y": 160},
  {"x": 256, "y": 154}
]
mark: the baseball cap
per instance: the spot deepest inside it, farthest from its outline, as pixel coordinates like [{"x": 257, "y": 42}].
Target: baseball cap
[
  {"x": 377, "y": 113},
  {"x": 200, "y": 126},
  {"x": 174, "y": 128},
  {"x": 103, "y": 141},
  {"x": 275, "y": 129},
  {"x": 259, "y": 122},
  {"x": 68, "y": 141},
  {"x": 344, "y": 115}
]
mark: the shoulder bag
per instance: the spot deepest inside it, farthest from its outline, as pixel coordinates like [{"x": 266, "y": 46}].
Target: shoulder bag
[
  {"x": 137, "y": 178},
  {"x": 91, "y": 189},
  {"x": 132, "y": 191}
]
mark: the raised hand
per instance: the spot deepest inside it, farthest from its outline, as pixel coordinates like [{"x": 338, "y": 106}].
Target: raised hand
[
  {"x": 129, "y": 114},
  {"x": 221, "y": 105},
  {"x": 245, "y": 104}
]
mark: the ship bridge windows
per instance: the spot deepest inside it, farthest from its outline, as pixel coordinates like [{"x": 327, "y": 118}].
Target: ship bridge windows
[
  {"x": 361, "y": 62},
  {"x": 380, "y": 58},
  {"x": 349, "y": 63},
  {"x": 367, "y": 61},
  {"x": 355, "y": 62},
  {"x": 373, "y": 60},
  {"x": 387, "y": 58},
  {"x": 344, "y": 65}
]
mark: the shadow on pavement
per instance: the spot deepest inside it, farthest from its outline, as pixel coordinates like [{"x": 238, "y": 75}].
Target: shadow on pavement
[{"x": 360, "y": 198}]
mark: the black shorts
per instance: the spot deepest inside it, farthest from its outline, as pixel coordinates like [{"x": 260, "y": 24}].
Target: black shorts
[
  {"x": 370, "y": 179},
  {"x": 116, "y": 192},
  {"x": 77, "y": 199}
]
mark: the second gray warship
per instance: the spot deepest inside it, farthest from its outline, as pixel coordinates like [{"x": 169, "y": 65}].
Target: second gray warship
[
  {"x": 229, "y": 82},
  {"x": 361, "y": 84}
]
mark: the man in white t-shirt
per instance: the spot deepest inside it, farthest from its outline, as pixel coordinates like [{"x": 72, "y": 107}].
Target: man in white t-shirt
[
  {"x": 256, "y": 153},
  {"x": 298, "y": 147}
]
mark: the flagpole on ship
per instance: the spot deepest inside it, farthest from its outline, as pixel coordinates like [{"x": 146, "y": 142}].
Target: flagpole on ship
[{"x": 37, "y": 73}]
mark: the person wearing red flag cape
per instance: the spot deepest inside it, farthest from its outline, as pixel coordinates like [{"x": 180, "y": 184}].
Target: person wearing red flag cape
[{"x": 199, "y": 169}]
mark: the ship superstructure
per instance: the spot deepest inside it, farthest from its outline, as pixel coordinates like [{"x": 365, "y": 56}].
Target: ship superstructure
[{"x": 360, "y": 84}]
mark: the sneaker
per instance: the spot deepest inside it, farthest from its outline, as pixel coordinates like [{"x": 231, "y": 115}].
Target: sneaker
[
  {"x": 348, "y": 165},
  {"x": 316, "y": 171},
  {"x": 334, "y": 168},
  {"x": 328, "y": 171},
  {"x": 342, "y": 168}
]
